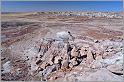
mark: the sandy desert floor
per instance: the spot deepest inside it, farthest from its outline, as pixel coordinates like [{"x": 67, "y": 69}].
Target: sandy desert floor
[{"x": 30, "y": 50}]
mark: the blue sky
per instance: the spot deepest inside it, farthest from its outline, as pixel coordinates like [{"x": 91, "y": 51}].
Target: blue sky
[{"x": 30, "y": 6}]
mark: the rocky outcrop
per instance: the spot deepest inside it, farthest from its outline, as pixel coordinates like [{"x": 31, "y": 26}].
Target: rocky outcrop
[{"x": 56, "y": 55}]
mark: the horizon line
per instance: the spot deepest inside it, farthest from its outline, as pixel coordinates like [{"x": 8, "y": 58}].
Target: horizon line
[
  {"x": 61, "y": 0},
  {"x": 58, "y": 11}
]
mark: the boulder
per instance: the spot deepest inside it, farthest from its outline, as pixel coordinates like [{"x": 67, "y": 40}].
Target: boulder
[
  {"x": 63, "y": 36},
  {"x": 7, "y": 67},
  {"x": 96, "y": 64},
  {"x": 65, "y": 64},
  {"x": 105, "y": 55},
  {"x": 89, "y": 57},
  {"x": 35, "y": 63},
  {"x": 50, "y": 59},
  {"x": 57, "y": 58},
  {"x": 99, "y": 57},
  {"x": 74, "y": 52},
  {"x": 48, "y": 70},
  {"x": 73, "y": 62},
  {"x": 83, "y": 52}
]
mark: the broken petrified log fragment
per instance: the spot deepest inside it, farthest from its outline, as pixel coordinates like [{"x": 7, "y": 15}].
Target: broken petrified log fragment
[
  {"x": 48, "y": 70},
  {"x": 73, "y": 62},
  {"x": 74, "y": 52},
  {"x": 89, "y": 57},
  {"x": 65, "y": 64}
]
